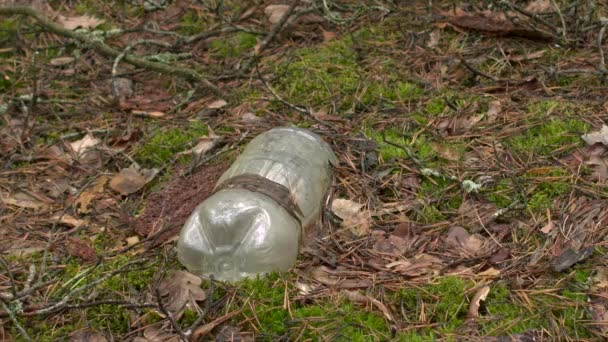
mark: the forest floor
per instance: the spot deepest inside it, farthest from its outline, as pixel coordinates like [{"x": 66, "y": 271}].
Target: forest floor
[{"x": 469, "y": 202}]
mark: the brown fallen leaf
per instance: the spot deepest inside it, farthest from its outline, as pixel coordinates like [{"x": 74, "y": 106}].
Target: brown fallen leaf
[
  {"x": 131, "y": 180},
  {"x": 539, "y": 6},
  {"x": 22, "y": 200},
  {"x": 179, "y": 290},
  {"x": 61, "y": 61},
  {"x": 153, "y": 334},
  {"x": 422, "y": 264},
  {"x": 471, "y": 244},
  {"x": 86, "y": 197},
  {"x": 599, "y": 316},
  {"x": 204, "y": 145},
  {"x": 445, "y": 151},
  {"x": 217, "y": 104},
  {"x": 275, "y": 12},
  {"x": 546, "y": 229},
  {"x": 68, "y": 220},
  {"x": 207, "y": 328},
  {"x": 353, "y": 216},
  {"x": 81, "y": 21},
  {"x": 494, "y": 109},
  {"x": 329, "y": 35},
  {"x": 600, "y": 168},
  {"x": 480, "y": 296},
  {"x": 83, "y": 145},
  {"x": 81, "y": 249}
]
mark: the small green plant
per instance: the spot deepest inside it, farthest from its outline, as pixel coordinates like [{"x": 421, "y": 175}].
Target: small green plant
[
  {"x": 192, "y": 23},
  {"x": 234, "y": 45}
]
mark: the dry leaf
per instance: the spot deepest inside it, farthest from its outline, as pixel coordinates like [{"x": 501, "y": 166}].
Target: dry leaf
[
  {"x": 22, "y": 200},
  {"x": 539, "y": 6},
  {"x": 599, "y": 315},
  {"x": 82, "y": 21},
  {"x": 458, "y": 236},
  {"x": 178, "y": 291},
  {"x": 153, "y": 334},
  {"x": 81, "y": 249},
  {"x": 353, "y": 216},
  {"x": 86, "y": 197},
  {"x": 207, "y": 328},
  {"x": 480, "y": 295},
  {"x": 600, "y": 168},
  {"x": 445, "y": 151},
  {"x": 68, "y": 220},
  {"x": 490, "y": 273},
  {"x": 494, "y": 109},
  {"x": 419, "y": 265},
  {"x": 83, "y": 145},
  {"x": 61, "y": 61},
  {"x": 204, "y": 145},
  {"x": 131, "y": 180},
  {"x": 434, "y": 38},
  {"x": 275, "y": 12},
  {"x": 548, "y": 227},
  {"x": 132, "y": 240},
  {"x": 600, "y": 136},
  {"x": 217, "y": 104},
  {"x": 329, "y": 35}
]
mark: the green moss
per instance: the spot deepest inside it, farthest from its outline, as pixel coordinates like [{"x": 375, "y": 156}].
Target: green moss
[
  {"x": 233, "y": 45},
  {"x": 420, "y": 148},
  {"x": 445, "y": 303},
  {"x": 192, "y": 23},
  {"x": 505, "y": 316},
  {"x": 166, "y": 143},
  {"x": 548, "y": 134},
  {"x": 343, "y": 320},
  {"x": 435, "y": 106},
  {"x": 112, "y": 318}
]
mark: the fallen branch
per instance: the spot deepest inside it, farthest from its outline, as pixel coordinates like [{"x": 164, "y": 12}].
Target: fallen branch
[{"x": 108, "y": 51}]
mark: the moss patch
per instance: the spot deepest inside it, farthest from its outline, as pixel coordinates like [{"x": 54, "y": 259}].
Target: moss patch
[
  {"x": 164, "y": 144},
  {"x": 233, "y": 45}
]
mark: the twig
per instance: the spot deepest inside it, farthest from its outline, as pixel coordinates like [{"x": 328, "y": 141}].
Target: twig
[
  {"x": 528, "y": 14},
  {"x": 277, "y": 28},
  {"x": 11, "y": 314},
  {"x": 123, "y": 54},
  {"x": 108, "y": 51},
  {"x": 169, "y": 315},
  {"x": 475, "y": 71},
  {"x": 561, "y": 18},
  {"x": 600, "y": 38},
  {"x": 11, "y": 277}
]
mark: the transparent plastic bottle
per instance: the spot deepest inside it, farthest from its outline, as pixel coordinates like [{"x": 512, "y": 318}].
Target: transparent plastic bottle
[{"x": 245, "y": 229}]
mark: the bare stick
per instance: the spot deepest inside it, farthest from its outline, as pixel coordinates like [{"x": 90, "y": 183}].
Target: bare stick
[
  {"x": 108, "y": 51},
  {"x": 600, "y": 38},
  {"x": 277, "y": 27},
  {"x": 561, "y": 18},
  {"x": 169, "y": 315},
  {"x": 11, "y": 314}
]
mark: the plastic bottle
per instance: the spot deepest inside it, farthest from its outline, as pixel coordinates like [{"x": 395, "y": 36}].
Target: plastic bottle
[{"x": 253, "y": 222}]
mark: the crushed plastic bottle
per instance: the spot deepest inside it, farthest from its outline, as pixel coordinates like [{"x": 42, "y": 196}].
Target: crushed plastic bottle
[{"x": 252, "y": 224}]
